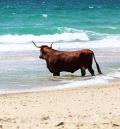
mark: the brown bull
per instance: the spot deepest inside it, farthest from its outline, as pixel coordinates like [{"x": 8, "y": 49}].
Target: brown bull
[{"x": 58, "y": 61}]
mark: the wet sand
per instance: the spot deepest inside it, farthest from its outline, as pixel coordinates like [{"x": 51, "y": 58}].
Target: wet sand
[{"x": 94, "y": 107}]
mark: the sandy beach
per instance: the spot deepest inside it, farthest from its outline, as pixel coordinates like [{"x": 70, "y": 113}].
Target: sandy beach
[{"x": 95, "y": 107}]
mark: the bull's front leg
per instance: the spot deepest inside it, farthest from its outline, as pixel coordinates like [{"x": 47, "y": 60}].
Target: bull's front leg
[{"x": 56, "y": 74}]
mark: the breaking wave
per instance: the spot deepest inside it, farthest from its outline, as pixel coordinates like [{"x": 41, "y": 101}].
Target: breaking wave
[
  {"x": 66, "y": 40},
  {"x": 44, "y": 38}
]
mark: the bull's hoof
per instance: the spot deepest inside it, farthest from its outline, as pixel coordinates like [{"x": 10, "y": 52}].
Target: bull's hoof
[{"x": 56, "y": 74}]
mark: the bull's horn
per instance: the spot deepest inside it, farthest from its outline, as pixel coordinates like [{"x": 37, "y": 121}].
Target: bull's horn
[
  {"x": 36, "y": 45},
  {"x": 51, "y": 44}
]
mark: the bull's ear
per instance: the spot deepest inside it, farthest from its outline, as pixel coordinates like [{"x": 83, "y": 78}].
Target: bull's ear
[{"x": 51, "y": 45}]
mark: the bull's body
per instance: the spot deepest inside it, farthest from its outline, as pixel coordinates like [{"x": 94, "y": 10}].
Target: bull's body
[
  {"x": 58, "y": 61},
  {"x": 69, "y": 61}
]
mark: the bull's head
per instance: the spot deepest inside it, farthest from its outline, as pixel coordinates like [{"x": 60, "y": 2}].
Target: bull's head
[{"x": 44, "y": 50}]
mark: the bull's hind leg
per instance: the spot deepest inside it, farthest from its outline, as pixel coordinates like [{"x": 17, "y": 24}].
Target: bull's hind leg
[
  {"x": 90, "y": 69},
  {"x": 83, "y": 72}
]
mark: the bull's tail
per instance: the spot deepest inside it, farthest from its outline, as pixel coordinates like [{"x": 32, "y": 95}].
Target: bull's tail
[{"x": 98, "y": 68}]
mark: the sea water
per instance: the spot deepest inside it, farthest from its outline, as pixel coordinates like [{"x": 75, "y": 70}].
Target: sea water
[{"x": 71, "y": 25}]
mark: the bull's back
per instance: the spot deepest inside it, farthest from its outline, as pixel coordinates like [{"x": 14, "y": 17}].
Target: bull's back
[{"x": 82, "y": 55}]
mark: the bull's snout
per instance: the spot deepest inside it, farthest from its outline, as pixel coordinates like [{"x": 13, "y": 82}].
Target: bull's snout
[{"x": 40, "y": 57}]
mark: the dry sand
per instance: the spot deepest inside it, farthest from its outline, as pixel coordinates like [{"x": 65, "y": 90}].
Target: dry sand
[{"x": 80, "y": 108}]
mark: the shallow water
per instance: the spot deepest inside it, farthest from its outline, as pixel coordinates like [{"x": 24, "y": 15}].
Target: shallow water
[{"x": 24, "y": 70}]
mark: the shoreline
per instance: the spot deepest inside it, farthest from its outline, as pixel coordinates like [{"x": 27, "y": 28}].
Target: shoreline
[
  {"x": 52, "y": 89},
  {"x": 63, "y": 87}
]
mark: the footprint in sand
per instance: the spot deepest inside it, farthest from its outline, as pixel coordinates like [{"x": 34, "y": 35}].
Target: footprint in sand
[
  {"x": 45, "y": 118},
  {"x": 0, "y": 126},
  {"x": 60, "y": 124}
]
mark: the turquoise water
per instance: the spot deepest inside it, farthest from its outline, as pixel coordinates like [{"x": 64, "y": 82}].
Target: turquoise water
[
  {"x": 47, "y": 17},
  {"x": 71, "y": 25}
]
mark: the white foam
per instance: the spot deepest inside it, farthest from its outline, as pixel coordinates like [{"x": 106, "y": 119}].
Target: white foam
[
  {"x": 97, "y": 80},
  {"x": 69, "y": 30},
  {"x": 91, "y": 7},
  {"x": 44, "y": 15},
  {"x": 112, "y": 27},
  {"x": 115, "y": 74},
  {"x": 16, "y": 47}
]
